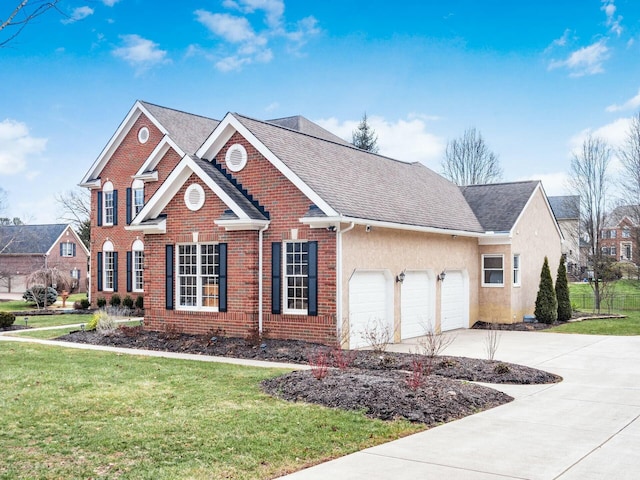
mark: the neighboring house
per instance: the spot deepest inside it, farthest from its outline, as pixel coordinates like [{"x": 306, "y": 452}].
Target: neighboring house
[
  {"x": 27, "y": 248},
  {"x": 283, "y": 228},
  {"x": 619, "y": 237},
  {"x": 566, "y": 209}
]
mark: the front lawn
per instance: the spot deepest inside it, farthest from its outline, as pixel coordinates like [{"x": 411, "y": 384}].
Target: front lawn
[
  {"x": 52, "y": 320},
  {"x": 78, "y": 414},
  {"x": 630, "y": 325}
]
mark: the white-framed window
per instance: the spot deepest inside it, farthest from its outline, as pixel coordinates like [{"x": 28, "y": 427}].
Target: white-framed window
[
  {"x": 67, "y": 249},
  {"x": 107, "y": 203},
  {"x": 612, "y": 250},
  {"x": 296, "y": 276},
  {"x": 627, "y": 251},
  {"x": 613, "y": 233},
  {"x": 137, "y": 202},
  {"x": 492, "y": 270},
  {"x": 198, "y": 266},
  {"x": 108, "y": 269},
  {"x": 626, "y": 232},
  {"x": 516, "y": 270},
  {"x": 138, "y": 266}
]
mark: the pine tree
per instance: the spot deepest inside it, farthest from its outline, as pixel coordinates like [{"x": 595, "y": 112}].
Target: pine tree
[
  {"x": 546, "y": 304},
  {"x": 364, "y": 137},
  {"x": 562, "y": 292}
]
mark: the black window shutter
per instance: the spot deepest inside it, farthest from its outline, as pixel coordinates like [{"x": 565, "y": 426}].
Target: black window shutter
[
  {"x": 128, "y": 206},
  {"x": 60, "y": 249},
  {"x": 312, "y": 257},
  {"x": 99, "y": 209},
  {"x": 276, "y": 277},
  {"x": 129, "y": 273},
  {"x": 115, "y": 207},
  {"x": 168, "y": 277},
  {"x": 222, "y": 276},
  {"x": 74, "y": 249},
  {"x": 99, "y": 276},
  {"x": 115, "y": 271}
]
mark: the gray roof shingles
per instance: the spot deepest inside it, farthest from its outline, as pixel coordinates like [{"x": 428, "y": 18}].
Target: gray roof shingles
[
  {"x": 565, "y": 207},
  {"x": 363, "y": 185},
  {"x": 302, "y": 125},
  {"x": 498, "y": 206},
  {"x": 29, "y": 239}
]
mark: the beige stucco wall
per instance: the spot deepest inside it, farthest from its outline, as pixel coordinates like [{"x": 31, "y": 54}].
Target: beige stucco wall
[
  {"x": 534, "y": 237},
  {"x": 397, "y": 250},
  {"x": 495, "y": 301}
]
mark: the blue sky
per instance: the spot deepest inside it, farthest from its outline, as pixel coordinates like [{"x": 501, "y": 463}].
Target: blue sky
[{"x": 533, "y": 77}]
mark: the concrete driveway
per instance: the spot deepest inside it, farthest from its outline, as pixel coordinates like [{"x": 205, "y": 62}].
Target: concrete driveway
[{"x": 586, "y": 427}]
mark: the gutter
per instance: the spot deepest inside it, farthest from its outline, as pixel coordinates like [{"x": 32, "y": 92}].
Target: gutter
[{"x": 339, "y": 234}]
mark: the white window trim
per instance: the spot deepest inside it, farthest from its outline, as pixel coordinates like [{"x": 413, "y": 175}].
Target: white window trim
[
  {"x": 199, "y": 307},
  {"x": 136, "y": 186},
  {"x": 65, "y": 246},
  {"x": 107, "y": 248},
  {"x": 492, "y": 255},
  {"x": 519, "y": 270},
  {"x": 107, "y": 189},
  {"x": 138, "y": 247},
  {"x": 285, "y": 286}
]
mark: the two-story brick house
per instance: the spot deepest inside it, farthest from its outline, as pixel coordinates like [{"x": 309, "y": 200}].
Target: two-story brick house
[
  {"x": 619, "y": 237},
  {"x": 281, "y": 227}
]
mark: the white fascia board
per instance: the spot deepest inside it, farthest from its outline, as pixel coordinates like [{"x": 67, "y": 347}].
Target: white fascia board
[
  {"x": 223, "y": 133},
  {"x": 500, "y": 238},
  {"x": 147, "y": 177},
  {"x": 160, "y": 151},
  {"x": 238, "y": 225},
  {"x": 172, "y": 185},
  {"x": 159, "y": 228},
  {"x": 117, "y": 138},
  {"x": 92, "y": 185},
  {"x": 323, "y": 222}
]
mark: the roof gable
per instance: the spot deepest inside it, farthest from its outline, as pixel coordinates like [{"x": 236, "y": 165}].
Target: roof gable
[
  {"x": 565, "y": 207},
  {"x": 30, "y": 239}
]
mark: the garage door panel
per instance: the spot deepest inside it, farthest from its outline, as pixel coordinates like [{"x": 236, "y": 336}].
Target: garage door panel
[
  {"x": 417, "y": 307},
  {"x": 369, "y": 305},
  {"x": 454, "y": 301}
]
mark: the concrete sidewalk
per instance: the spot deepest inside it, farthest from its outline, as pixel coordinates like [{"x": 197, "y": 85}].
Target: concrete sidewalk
[{"x": 584, "y": 428}]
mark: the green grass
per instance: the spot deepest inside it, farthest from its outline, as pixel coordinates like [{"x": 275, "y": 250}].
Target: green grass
[
  {"x": 630, "y": 325},
  {"x": 15, "y": 306},
  {"x": 53, "y": 320},
  {"x": 42, "y": 334},
  {"x": 78, "y": 414},
  {"x": 620, "y": 286}
]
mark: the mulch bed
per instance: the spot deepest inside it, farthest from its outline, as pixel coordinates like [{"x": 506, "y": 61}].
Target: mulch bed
[{"x": 382, "y": 385}]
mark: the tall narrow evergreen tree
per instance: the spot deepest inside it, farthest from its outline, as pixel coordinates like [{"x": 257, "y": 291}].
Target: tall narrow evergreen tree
[
  {"x": 364, "y": 136},
  {"x": 546, "y": 304},
  {"x": 562, "y": 292}
]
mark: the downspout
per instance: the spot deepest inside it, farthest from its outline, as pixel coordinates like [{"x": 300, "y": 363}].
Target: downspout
[
  {"x": 260, "y": 277},
  {"x": 339, "y": 279}
]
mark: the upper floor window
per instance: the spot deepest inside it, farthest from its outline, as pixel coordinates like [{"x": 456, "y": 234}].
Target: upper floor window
[
  {"x": 108, "y": 203},
  {"x": 67, "y": 249},
  {"x": 493, "y": 270},
  {"x": 626, "y": 232},
  {"x": 198, "y": 268},
  {"x": 138, "y": 196},
  {"x": 612, "y": 234}
]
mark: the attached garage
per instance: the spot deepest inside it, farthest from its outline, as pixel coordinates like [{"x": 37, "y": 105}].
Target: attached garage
[
  {"x": 417, "y": 304},
  {"x": 370, "y": 304},
  {"x": 454, "y": 301}
]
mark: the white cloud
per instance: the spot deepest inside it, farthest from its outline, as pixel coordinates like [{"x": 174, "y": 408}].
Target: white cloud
[
  {"x": 555, "y": 183},
  {"x": 613, "y": 22},
  {"x": 406, "y": 140},
  {"x": 614, "y": 133},
  {"x": 110, "y": 3},
  {"x": 16, "y": 146},
  {"x": 559, "y": 42},
  {"x": 246, "y": 44},
  {"x": 272, "y": 107},
  {"x": 631, "y": 104},
  {"x": 79, "y": 13},
  {"x": 140, "y": 52},
  {"x": 584, "y": 61}
]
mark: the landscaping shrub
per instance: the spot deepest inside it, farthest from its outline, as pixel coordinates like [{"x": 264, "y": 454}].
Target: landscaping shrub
[
  {"x": 101, "y": 302},
  {"x": 115, "y": 300},
  {"x": 140, "y": 302},
  {"x": 127, "y": 301},
  {"x": 38, "y": 294},
  {"x": 102, "y": 322},
  {"x": 562, "y": 293},
  {"x": 546, "y": 310},
  {"x": 77, "y": 305},
  {"x": 6, "y": 319},
  {"x": 85, "y": 304}
]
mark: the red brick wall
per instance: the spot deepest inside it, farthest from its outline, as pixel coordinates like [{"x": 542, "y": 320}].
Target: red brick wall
[
  {"x": 286, "y": 205},
  {"x": 69, "y": 263}
]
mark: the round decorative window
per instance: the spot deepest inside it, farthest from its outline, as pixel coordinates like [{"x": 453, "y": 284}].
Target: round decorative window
[
  {"x": 194, "y": 197},
  {"x": 143, "y": 135},
  {"x": 236, "y": 157}
]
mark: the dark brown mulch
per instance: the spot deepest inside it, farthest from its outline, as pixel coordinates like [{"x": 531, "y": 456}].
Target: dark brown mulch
[{"x": 383, "y": 385}]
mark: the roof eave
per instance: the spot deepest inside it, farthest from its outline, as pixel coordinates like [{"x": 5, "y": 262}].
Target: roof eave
[
  {"x": 241, "y": 224},
  {"x": 151, "y": 229}
]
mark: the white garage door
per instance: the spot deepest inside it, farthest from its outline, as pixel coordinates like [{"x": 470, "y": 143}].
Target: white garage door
[
  {"x": 370, "y": 305},
  {"x": 417, "y": 304},
  {"x": 455, "y": 301}
]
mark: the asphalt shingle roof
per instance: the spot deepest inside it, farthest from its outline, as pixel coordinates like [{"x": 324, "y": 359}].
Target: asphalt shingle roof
[
  {"x": 302, "y": 125},
  {"x": 363, "y": 185},
  {"x": 632, "y": 212},
  {"x": 565, "y": 207},
  {"x": 187, "y": 130},
  {"x": 498, "y": 206},
  {"x": 29, "y": 239}
]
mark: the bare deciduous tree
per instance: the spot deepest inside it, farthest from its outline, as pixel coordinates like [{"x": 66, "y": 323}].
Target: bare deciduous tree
[
  {"x": 629, "y": 155},
  {"x": 19, "y": 16},
  {"x": 76, "y": 209},
  {"x": 468, "y": 160},
  {"x": 589, "y": 178}
]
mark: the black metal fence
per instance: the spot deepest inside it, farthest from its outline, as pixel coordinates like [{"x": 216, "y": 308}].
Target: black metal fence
[{"x": 613, "y": 302}]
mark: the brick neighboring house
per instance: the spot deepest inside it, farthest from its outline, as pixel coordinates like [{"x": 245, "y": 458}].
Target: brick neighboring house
[
  {"x": 566, "y": 209},
  {"x": 619, "y": 237},
  {"x": 27, "y": 248},
  {"x": 281, "y": 227}
]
